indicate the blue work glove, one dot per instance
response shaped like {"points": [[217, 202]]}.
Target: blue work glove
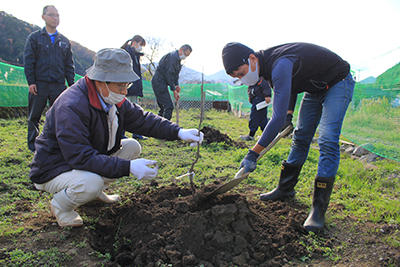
{"points": [[249, 163]]}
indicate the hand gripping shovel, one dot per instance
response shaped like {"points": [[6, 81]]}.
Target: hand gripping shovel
{"points": [[241, 174]]}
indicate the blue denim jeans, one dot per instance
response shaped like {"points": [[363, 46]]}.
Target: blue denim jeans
{"points": [[327, 110]]}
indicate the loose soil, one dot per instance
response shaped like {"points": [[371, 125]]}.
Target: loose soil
{"points": [[212, 135], [166, 226]]}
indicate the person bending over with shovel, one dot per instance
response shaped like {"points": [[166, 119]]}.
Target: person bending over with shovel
{"points": [[80, 150], [328, 85]]}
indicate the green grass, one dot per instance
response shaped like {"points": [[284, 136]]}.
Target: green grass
{"points": [[375, 124], [15, 185], [48, 257], [368, 195]]}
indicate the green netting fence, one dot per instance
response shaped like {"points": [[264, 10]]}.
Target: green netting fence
{"points": [[13, 86], [372, 120], [190, 94]]}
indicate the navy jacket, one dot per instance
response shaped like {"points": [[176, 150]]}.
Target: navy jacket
{"points": [[258, 92], [137, 87], [315, 67], [46, 61], [75, 134], [294, 68], [169, 68]]}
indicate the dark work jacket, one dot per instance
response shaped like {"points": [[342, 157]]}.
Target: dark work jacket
{"points": [[137, 87], [168, 69], [46, 61], [258, 92], [75, 134], [315, 69]]}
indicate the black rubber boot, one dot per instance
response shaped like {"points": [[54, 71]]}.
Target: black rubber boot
{"points": [[287, 181], [322, 193]]}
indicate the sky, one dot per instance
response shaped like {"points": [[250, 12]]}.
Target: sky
{"points": [[363, 32]]}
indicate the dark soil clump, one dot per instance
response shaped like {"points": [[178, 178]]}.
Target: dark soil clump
{"points": [[165, 226], [212, 135]]}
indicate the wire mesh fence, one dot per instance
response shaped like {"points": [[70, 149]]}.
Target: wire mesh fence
{"points": [[372, 121]]}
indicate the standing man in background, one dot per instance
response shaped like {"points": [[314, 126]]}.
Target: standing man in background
{"points": [[134, 47], [48, 63], [259, 98], [167, 74]]}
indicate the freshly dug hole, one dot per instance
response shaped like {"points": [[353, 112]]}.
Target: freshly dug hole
{"points": [[164, 226]]}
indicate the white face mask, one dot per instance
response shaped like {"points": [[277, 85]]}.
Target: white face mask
{"points": [[183, 56], [112, 98], [251, 78], [139, 48]]}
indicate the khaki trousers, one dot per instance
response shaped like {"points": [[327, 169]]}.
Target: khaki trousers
{"points": [[84, 186]]}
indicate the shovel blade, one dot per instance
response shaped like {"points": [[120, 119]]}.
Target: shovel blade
{"points": [[239, 177], [241, 174]]}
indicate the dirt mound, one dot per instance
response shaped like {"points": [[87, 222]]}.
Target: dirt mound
{"points": [[212, 135], [165, 226]]}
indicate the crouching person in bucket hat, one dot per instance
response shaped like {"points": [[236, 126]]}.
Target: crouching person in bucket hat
{"points": [[80, 150]]}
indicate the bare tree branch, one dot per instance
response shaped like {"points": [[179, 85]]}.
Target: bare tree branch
{"points": [[154, 45]]}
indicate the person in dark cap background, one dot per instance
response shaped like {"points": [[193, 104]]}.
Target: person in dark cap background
{"points": [[167, 74], [80, 150], [259, 98], [328, 85]]}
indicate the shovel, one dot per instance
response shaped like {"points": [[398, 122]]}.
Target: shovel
{"points": [[177, 111], [241, 174]]}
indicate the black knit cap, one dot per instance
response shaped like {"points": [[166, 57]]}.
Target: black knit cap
{"points": [[234, 55]]}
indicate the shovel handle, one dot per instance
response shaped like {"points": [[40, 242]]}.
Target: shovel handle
{"points": [[276, 139], [241, 174], [177, 111], [184, 175]]}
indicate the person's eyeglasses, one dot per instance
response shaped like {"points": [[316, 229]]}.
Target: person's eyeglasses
{"points": [[53, 15], [121, 86]]}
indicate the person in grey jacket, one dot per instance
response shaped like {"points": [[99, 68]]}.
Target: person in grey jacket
{"points": [[80, 150], [48, 63], [167, 74]]}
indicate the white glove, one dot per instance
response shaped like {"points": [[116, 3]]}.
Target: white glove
{"points": [[191, 135], [140, 168]]}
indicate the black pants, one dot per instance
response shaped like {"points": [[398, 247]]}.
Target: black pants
{"points": [[160, 88], [258, 118], [37, 103]]}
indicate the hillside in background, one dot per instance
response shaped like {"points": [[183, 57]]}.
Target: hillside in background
{"points": [[221, 77], [368, 80], [83, 57], [13, 34], [390, 77], [188, 75]]}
